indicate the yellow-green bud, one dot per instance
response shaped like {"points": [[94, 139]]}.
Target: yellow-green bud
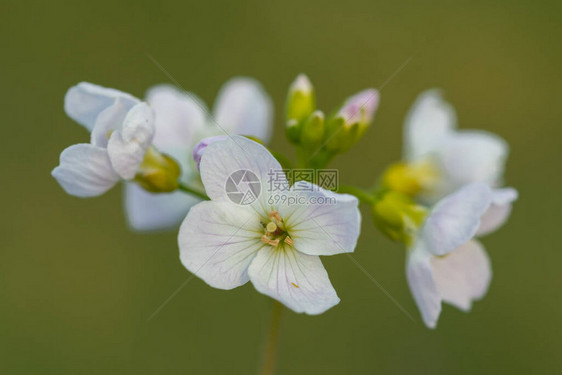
{"points": [[313, 130], [411, 179], [398, 216], [158, 172], [301, 103], [293, 131]]}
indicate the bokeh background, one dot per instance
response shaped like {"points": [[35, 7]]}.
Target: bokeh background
{"points": [[77, 287]]}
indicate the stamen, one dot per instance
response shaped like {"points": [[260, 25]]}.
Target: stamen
{"points": [[276, 216], [269, 241], [289, 241], [295, 285]]}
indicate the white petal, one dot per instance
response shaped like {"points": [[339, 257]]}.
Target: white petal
{"points": [[147, 212], [463, 275], [499, 211], [85, 101], [218, 240], [109, 120], [321, 222], [429, 120], [243, 107], [420, 280], [85, 171], [127, 147], [179, 117], [297, 280], [222, 158], [455, 219], [473, 156]]}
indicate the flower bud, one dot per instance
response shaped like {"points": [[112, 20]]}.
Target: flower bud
{"points": [[158, 172], [398, 216], [312, 131], [412, 178], [350, 122], [301, 103], [201, 146]]}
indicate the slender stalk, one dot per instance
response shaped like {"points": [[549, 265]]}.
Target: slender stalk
{"points": [[271, 347], [193, 191], [362, 195]]}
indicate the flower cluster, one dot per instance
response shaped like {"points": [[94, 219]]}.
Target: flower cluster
{"points": [[445, 193], [208, 171]]}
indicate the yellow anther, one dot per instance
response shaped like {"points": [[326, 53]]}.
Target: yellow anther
{"points": [[269, 241], [275, 215], [295, 285], [271, 227], [289, 241]]}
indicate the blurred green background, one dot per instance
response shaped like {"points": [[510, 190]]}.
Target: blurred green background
{"points": [[77, 287]]}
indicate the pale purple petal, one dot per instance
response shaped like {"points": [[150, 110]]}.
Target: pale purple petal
{"points": [[463, 275], [85, 101], [85, 171], [243, 107], [419, 274], [319, 221], [217, 242], [127, 147], [499, 211], [147, 211], [455, 219], [428, 122], [297, 280]]}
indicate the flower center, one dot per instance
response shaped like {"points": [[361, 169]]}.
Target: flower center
{"points": [[274, 231]]}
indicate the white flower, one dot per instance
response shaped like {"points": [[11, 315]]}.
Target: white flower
{"points": [[445, 262], [241, 107], [122, 128], [454, 158], [275, 246]]}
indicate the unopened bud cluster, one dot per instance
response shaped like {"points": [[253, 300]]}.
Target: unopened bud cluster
{"points": [[319, 136]]}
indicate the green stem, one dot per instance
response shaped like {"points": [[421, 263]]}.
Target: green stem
{"points": [[271, 347], [363, 196], [192, 191], [303, 157]]}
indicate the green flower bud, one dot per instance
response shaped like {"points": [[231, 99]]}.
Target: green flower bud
{"points": [[312, 132], [301, 103], [398, 216], [158, 172], [293, 131]]}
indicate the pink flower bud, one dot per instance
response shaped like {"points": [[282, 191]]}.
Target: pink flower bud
{"points": [[360, 108], [201, 146]]}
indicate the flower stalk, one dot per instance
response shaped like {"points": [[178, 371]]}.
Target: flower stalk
{"points": [[271, 347], [190, 190]]}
